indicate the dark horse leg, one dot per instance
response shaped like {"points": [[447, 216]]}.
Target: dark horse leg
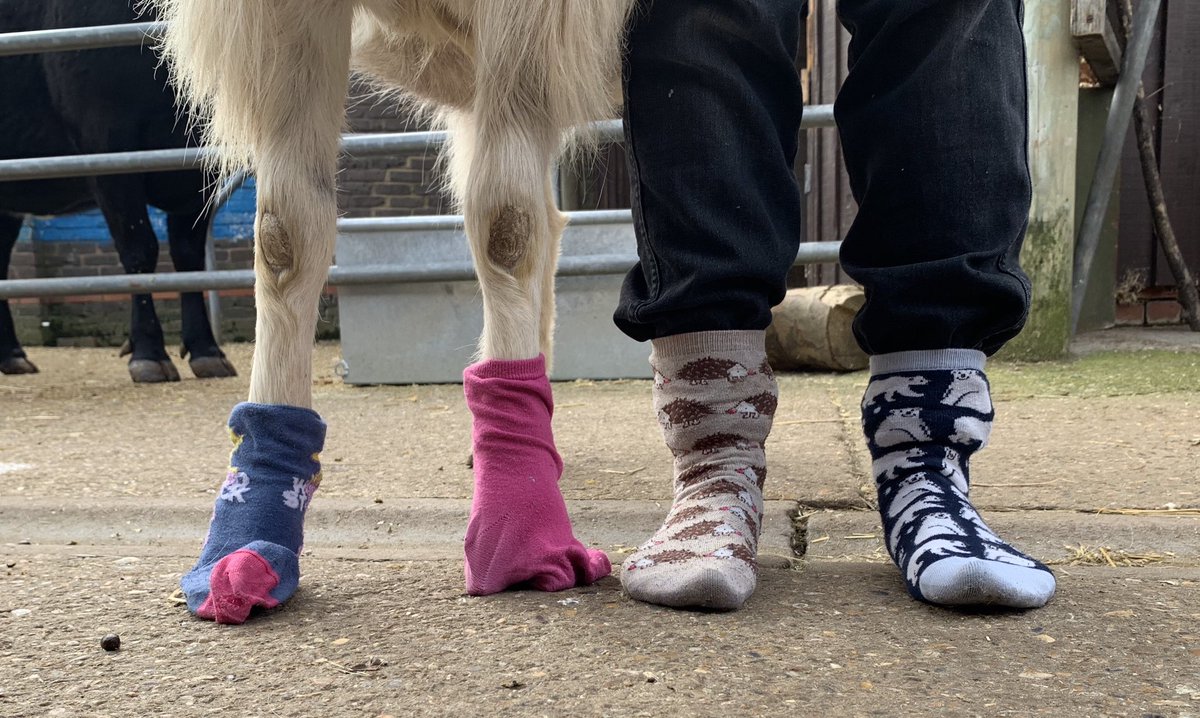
{"points": [[122, 199], [12, 356], [188, 233]]}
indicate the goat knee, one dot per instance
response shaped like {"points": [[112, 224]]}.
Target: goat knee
{"points": [[509, 237], [274, 245]]}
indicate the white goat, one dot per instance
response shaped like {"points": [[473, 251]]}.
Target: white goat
{"points": [[509, 78]]}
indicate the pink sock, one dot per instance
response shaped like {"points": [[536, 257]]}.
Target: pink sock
{"points": [[519, 531], [238, 583]]}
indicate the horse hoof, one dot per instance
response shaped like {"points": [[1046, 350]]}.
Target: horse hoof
{"points": [[17, 365], [217, 367], [149, 371]]}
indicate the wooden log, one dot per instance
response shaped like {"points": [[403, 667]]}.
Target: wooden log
{"points": [[811, 329]]}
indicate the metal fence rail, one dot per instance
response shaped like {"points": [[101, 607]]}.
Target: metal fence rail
{"points": [[810, 253], [111, 163], [80, 38], [353, 144]]}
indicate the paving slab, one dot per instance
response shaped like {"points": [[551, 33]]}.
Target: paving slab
{"points": [[81, 428], [1054, 537], [400, 529], [380, 626], [1174, 338], [371, 638], [1085, 453]]}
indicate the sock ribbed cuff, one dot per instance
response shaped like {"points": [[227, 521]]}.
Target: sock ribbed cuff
{"points": [[927, 360], [518, 369], [285, 433], [680, 345]]}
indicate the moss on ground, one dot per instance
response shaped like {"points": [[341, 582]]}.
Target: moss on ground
{"points": [[1100, 374]]}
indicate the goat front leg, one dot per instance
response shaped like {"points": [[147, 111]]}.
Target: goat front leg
{"points": [[519, 532], [556, 223], [284, 100]]}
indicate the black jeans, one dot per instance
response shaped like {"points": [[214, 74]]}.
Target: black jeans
{"points": [[933, 124]]}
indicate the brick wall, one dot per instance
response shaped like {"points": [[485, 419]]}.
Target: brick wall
{"points": [[79, 245], [405, 184], [104, 320]]}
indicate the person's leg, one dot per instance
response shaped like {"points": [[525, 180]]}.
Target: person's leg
{"points": [[712, 114], [933, 124]]}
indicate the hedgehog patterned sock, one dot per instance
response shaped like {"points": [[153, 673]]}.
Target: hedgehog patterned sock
{"points": [[251, 554], [924, 414], [519, 533], [715, 397]]}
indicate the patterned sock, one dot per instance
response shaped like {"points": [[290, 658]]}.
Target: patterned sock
{"points": [[715, 396], [924, 414], [519, 533], [251, 553]]}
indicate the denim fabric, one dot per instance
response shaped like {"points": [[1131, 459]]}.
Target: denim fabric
{"points": [[712, 115], [933, 124]]}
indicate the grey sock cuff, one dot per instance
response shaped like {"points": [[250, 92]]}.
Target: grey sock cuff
{"points": [[927, 360], [692, 343]]}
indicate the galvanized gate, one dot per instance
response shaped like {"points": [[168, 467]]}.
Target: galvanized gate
{"points": [[611, 230]]}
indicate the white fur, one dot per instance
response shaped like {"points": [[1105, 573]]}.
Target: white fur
{"points": [[509, 78]]}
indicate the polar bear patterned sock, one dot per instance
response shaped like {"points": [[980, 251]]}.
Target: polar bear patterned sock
{"points": [[715, 397], [251, 555], [924, 414]]}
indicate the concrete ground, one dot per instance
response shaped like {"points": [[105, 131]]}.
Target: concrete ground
{"points": [[1094, 468]]}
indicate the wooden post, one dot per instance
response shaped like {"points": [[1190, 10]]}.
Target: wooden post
{"points": [[1048, 254]]}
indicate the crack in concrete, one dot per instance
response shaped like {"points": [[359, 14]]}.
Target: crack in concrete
{"points": [[848, 437], [799, 538]]}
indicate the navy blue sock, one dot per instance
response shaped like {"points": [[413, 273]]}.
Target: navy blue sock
{"points": [[251, 554], [924, 414]]}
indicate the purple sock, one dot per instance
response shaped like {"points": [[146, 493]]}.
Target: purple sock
{"points": [[251, 556]]}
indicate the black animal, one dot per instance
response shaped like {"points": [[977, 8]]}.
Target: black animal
{"points": [[110, 100]]}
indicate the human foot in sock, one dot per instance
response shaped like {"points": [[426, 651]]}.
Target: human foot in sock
{"points": [[251, 554], [519, 533], [715, 397], [924, 415]]}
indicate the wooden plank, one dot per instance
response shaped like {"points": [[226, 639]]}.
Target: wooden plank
{"points": [[827, 201], [807, 174], [848, 207], [1135, 247], [1098, 309], [1179, 136], [825, 173], [1096, 38]]}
